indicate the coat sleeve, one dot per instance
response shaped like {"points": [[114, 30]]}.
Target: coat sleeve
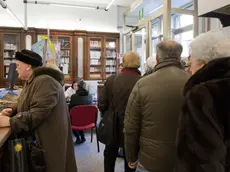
{"points": [[200, 141], [44, 99], [132, 124]]}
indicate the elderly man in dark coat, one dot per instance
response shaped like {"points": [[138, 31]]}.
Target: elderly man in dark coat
{"points": [[152, 113]]}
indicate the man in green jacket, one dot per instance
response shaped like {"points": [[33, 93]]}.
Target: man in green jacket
{"points": [[152, 113]]}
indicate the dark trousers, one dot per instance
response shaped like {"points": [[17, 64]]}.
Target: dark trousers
{"points": [[110, 155], [79, 134]]}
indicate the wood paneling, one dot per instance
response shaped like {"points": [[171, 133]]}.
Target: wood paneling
{"points": [[72, 34]]}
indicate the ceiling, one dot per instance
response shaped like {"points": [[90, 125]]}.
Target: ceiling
{"points": [[94, 2], [150, 5]]}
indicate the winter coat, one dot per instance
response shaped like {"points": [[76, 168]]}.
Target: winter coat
{"points": [[43, 100], [114, 97], [152, 115], [82, 97], [203, 142]]}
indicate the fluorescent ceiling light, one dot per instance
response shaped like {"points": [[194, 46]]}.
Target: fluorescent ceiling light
{"points": [[15, 17], [109, 5], [156, 9], [73, 6]]}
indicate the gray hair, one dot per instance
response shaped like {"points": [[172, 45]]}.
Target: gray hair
{"points": [[150, 64], [209, 46], [169, 50]]}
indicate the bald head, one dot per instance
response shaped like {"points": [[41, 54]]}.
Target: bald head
{"points": [[169, 50]]}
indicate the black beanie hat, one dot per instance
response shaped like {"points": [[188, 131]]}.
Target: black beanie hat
{"points": [[29, 57]]}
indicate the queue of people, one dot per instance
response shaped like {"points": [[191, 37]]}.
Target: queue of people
{"points": [[174, 119]]}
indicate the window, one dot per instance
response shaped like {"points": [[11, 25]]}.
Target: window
{"points": [[184, 38]]}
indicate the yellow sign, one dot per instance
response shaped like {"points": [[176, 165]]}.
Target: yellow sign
{"points": [[18, 147]]}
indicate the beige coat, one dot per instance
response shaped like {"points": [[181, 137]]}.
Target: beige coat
{"points": [[43, 99]]}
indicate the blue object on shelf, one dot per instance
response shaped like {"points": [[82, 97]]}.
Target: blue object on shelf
{"points": [[4, 92]]}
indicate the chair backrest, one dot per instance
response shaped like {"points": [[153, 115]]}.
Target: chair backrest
{"points": [[83, 115]]}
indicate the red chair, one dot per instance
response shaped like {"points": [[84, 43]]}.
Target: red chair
{"points": [[84, 117]]}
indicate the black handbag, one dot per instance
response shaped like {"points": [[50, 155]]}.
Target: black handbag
{"points": [[107, 128], [26, 153], [18, 159]]}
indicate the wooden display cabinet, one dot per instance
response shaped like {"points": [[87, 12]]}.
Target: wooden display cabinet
{"points": [[91, 55], [11, 40], [102, 56]]}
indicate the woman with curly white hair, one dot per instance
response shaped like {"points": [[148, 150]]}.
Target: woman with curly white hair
{"points": [[149, 65], [204, 134]]}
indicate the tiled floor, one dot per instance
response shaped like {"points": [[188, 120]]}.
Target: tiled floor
{"points": [[89, 160]]}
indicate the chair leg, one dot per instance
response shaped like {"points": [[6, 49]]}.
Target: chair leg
{"points": [[98, 148], [91, 135]]}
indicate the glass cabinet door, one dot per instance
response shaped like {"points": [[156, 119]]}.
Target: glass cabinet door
{"points": [[110, 57], [65, 55], [11, 44], [95, 58]]}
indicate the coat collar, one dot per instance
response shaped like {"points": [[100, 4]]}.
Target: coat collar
{"points": [[57, 75], [131, 71], [214, 70], [167, 63]]}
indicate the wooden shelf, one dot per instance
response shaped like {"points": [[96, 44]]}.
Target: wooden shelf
{"points": [[69, 42], [95, 65], [104, 41], [95, 48]]}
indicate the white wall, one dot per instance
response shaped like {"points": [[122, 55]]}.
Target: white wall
{"points": [[43, 16], [205, 6]]}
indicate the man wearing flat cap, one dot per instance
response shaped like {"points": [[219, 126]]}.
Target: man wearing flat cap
{"points": [[42, 100]]}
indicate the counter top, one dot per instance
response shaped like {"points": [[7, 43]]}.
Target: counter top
{"points": [[4, 135]]}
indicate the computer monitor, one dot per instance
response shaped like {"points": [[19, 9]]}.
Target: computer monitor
{"points": [[12, 76]]}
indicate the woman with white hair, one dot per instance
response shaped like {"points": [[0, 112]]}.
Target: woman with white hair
{"points": [[149, 65], [204, 134]]}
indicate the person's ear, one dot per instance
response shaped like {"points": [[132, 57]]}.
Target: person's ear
{"points": [[29, 67], [157, 59]]}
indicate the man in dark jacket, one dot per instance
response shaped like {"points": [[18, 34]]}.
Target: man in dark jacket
{"points": [[152, 113], [82, 97], [114, 97]]}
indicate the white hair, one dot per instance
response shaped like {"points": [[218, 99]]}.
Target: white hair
{"points": [[211, 45], [151, 62]]}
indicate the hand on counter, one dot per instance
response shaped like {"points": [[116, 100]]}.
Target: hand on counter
{"points": [[6, 112], [4, 121]]}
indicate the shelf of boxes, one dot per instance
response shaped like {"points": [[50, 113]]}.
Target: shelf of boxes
{"points": [[8, 56], [111, 59], [95, 58]]}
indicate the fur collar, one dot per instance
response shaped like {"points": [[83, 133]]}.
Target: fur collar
{"points": [[213, 71], [57, 75]]}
